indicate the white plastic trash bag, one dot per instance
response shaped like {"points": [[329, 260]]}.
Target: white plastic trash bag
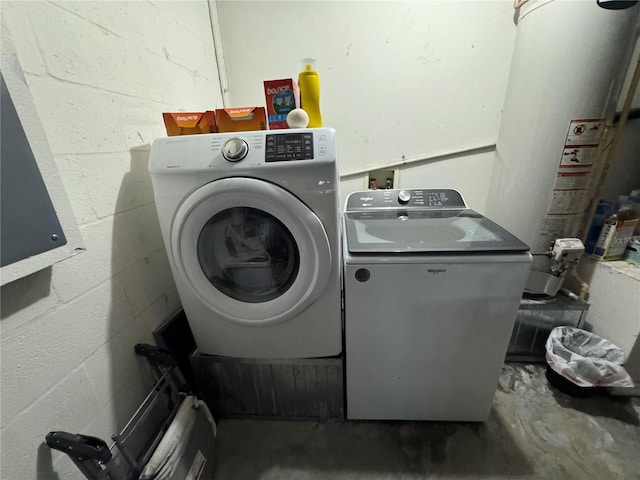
{"points": [[586, 359]]}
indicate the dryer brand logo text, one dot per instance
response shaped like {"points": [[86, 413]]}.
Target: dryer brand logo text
{"points": [[435, 271], [274, 91], [183, 118], [366, 199]]}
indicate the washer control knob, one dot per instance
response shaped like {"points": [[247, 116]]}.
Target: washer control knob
{"points": [[235, 149], [404, 197]]}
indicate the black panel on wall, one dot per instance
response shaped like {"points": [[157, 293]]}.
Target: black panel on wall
{"points": [[28, 221]]}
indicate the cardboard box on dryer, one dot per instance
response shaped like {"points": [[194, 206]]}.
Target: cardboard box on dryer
{"points": [[241, 119], [189, 123], [282, 96]]}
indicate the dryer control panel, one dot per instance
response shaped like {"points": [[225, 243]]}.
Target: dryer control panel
{"points": [[275, 146], [407, 198], [282, 147], [239, 150]]}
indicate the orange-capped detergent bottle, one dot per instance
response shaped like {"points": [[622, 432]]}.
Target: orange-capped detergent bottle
{"points": [[309, 83]]}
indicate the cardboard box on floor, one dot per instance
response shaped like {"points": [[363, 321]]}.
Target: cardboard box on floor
{"points": [[241, 119]]}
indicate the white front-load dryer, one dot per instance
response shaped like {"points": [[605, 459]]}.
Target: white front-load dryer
{"points": [[250, 223]]}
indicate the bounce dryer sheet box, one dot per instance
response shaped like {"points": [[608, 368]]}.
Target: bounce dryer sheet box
{"points": [[189, 123], [282, 97], [241, 119]]}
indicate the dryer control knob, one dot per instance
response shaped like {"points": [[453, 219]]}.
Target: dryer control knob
{"points": [[404, 196], [235, 149]]}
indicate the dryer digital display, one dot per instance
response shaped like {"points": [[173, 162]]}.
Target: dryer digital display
{"points": [[289, 146]]}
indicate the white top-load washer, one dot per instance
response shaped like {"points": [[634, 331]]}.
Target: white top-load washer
{"points": [[251, 225], [431, 291]]}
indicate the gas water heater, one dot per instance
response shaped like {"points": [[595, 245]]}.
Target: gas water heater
{"points": [[568, 65]]}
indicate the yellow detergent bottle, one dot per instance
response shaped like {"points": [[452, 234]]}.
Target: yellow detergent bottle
{"points": [[309, 83]]}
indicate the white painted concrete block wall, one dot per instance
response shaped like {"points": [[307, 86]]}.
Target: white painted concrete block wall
{"points": [[398, 79], [408, 79], [101, 74]]}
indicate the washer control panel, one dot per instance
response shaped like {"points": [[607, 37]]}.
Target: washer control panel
{"points": [[415, 197]]}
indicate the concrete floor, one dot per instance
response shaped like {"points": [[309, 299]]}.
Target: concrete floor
{"points": [[534, 432]]}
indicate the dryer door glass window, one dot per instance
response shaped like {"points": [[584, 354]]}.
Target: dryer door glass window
{"points": [[248, 254]]}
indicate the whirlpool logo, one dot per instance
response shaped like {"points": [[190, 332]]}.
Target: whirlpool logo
{"points": [[435, 271]]}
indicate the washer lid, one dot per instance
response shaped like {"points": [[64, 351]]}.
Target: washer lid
{"points": [[252, 252], [413, 230]]}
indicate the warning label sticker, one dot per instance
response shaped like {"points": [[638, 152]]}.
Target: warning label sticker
{"points": [[558, 226], [585, 132], [568, 201], [573, 157], [572, 180]]}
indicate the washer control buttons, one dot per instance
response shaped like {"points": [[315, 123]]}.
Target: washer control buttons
{"points": [[404, 196], [235, 149]]}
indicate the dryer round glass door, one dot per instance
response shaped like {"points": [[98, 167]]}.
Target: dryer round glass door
{"points": [[251, 251], [248, 254]]}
